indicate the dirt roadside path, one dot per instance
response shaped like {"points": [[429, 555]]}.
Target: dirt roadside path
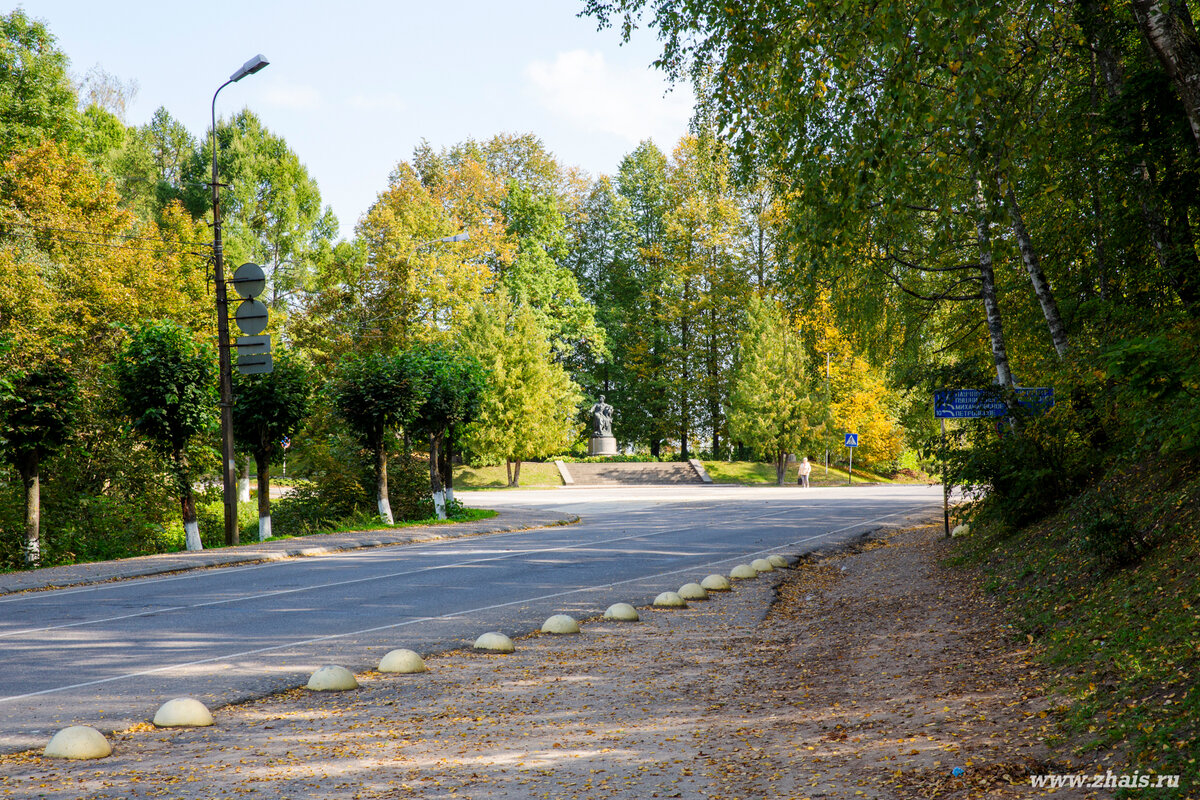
{"points": [[869, 673]]}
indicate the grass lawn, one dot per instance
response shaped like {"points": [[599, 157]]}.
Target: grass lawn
{"points": [[753, 473], [533, 473]]}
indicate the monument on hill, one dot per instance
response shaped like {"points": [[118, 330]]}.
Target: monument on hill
{"points": [[602, 443]]}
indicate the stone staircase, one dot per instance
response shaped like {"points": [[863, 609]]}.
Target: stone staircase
{"points": [[632, 474]]}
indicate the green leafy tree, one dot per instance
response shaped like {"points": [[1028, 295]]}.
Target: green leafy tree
{"points": [[268, 408], [378, 394], [37, 101], [455, 383], [774, 410], [37, 414], [530, 407], [166, 379], [271, 213]]}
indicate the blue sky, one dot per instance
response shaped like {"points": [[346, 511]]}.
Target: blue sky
{"points": [[354, 86]]}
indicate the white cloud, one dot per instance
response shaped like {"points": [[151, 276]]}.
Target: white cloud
{"points": [[295, 97], [582, 87]]}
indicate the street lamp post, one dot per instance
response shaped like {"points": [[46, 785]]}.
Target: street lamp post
{"points": [[228, 465]]}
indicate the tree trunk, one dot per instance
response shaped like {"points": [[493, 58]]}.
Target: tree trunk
{"points": [[448, 464], [1171, 34], [987, 288], [262, 463], [31, 481], [1033, 265], [381, 487], [508, 471], [244, 483], [187, 502], [514, 472], [1172, 245], [780, 467], [435, 477]]}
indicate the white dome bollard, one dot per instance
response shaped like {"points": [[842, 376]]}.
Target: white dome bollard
{"points": [[78, 742], [762, 565], [405, 662], [332, 678], [743, 572], [693, 591], [669, 600], [716, 583], [622, 612], [495, 643], [777, 561], [560, 623], [183, 712]]}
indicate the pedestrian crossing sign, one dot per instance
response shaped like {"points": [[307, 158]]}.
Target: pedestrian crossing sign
{"points": [[851, 440]]}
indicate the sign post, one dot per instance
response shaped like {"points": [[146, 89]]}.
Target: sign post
{"points": [[981, 404], [851, 442]]}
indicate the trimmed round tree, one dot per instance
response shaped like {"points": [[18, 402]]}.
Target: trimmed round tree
{"points": [[455, 383], [378, 394], [167, 381], [267, 408]]}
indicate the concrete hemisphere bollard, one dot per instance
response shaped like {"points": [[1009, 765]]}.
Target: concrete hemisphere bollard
{"points": [[670, 600], [560, 624], [405, 662], [716, 583], [961, 530], [743, 572], [332, 678], [622, 612], [183, 712], [78, 742], [693, 591], [495, 642], [777, 561], [762, 565]]}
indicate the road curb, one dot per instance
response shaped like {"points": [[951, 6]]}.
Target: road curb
{"points": [[74, 575]]}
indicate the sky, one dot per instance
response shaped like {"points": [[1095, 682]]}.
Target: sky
{"points": [[354, 86]]}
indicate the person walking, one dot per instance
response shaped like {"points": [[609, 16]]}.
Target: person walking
{"points": [[804, 470]]}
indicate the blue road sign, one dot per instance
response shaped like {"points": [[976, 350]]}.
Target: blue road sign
{"points": [[977, 403], [851, 440]]}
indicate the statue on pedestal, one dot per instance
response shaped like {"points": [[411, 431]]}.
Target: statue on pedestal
{"points": [[602, 414], [602, 442]]}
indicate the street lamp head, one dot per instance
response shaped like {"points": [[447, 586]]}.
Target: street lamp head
{"points": [[250, 67], [458, 237]]}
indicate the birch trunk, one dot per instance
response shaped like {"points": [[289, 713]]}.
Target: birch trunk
{"points": [[381, 486], [987, 288], [1037, 276], [1171, 34]]}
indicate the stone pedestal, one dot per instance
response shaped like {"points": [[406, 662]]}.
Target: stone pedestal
{"points": [[602, 446]]}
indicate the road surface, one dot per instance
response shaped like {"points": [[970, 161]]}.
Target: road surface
{"points": [[108, 655]]}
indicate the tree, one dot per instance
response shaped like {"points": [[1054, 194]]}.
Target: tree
{"points": [[455, 383], [530, 407], [267, 409], [773, 409], [37, 101], [378, 394], [37, 413], [166, 379], [271, 213]]}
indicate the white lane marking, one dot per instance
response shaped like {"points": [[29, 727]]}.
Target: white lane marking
{"points": [[418, 620]]}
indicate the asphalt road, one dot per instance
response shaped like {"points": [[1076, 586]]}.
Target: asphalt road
{"points": [[108, 655]]}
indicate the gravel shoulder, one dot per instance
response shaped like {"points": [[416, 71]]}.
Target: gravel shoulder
{"points": [[871, 672]]}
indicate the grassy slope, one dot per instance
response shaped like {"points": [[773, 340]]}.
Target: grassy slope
{"points": [[1124, 639]]}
